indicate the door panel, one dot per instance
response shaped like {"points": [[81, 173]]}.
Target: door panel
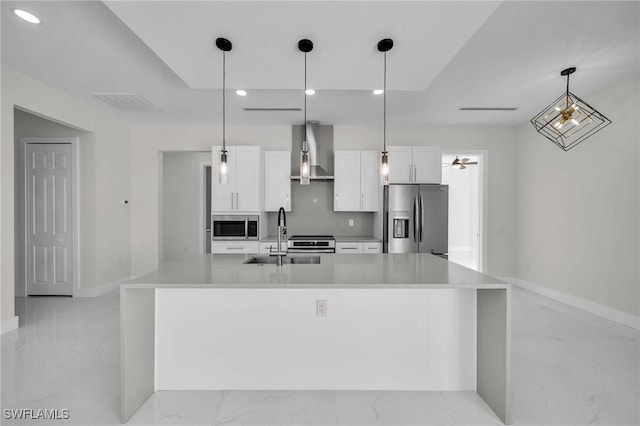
{"points": [[435, 219], [346, 188], [369, 180], [401, 225], [49, 225], [222, 195], [400, 164], [427, 162], [247, 178]]}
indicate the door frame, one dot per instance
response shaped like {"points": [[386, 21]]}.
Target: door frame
{"points": [[201, 205], [483, 199], [21, 287]]}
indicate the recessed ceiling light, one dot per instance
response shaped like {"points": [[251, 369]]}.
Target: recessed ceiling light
{"points": [[378, 92], [241, 92], [310, 92], [27, 16]]}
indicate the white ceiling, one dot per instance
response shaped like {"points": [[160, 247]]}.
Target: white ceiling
{"points": [[447, 55]]}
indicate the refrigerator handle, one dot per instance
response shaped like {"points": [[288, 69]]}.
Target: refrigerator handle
{"points": [[415, 219], [421, 217]]}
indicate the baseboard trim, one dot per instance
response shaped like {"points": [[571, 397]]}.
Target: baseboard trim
{"points": [[9, 324], [103, 289], [602, 311]]}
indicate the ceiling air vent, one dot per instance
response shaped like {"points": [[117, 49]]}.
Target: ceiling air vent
{"points": [[488, 108], [272, 109], [126, 101]]}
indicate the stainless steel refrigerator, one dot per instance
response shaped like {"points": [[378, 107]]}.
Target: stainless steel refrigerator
{"points": [[416, 219]]}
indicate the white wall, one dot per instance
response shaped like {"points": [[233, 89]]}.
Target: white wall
{"points": [[181, 209], [104, 177], [577, 215], [500, 143]]}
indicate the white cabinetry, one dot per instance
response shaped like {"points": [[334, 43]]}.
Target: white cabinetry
{"points": [[277, 180], [242, 193], [234, 247], [349, 248], [372, 247], [356, 181], [415, 164], [358, 247], [267, 247]]}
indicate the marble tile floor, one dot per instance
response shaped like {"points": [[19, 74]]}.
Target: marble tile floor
{"points": [[568, 368]]}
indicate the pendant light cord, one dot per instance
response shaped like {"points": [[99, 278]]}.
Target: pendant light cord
{"points": [[305, 89], [568, 90], [384, 101], [224, 79]]}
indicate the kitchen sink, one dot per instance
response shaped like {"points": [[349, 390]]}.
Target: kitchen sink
{"points": [[273, 260]]}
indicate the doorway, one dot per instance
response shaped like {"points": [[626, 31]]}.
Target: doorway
{"points": [[49, 222], [465, 178]]}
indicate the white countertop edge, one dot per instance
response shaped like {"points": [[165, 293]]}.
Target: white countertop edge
{"points": [[316, 286]]}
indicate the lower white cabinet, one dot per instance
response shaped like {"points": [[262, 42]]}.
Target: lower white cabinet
{"points": [[266, 247], [350, 247], [375, 247], [358, 247], [234, 247]]}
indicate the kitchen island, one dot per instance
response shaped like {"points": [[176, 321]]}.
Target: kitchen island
{"points": [[359, 322]]}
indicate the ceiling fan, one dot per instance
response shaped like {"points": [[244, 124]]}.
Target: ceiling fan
{"points": [[461, 164]]}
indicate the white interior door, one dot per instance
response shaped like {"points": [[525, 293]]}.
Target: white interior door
{"points": [[49, 219]]}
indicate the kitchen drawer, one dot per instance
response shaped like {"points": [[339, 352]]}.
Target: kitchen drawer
{"points": [[346, 248], [375, 247], [232, 247], [266, 246]]}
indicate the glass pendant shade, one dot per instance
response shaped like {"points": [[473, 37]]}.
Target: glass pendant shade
{"points": [[224, 168], [569, 120], [384, 168], [305, 166]]}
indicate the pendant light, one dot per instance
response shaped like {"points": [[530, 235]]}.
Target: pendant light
{"points": [[569, 120], [225, 46], [305, 46], [384, 46]]}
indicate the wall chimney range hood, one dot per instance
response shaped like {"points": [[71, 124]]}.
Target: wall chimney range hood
{"points": [[320, 144]]}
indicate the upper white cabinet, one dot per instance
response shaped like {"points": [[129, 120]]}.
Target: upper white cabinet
{"points": [[242, 193], [356, 181], [415, 164], [277, 180]]}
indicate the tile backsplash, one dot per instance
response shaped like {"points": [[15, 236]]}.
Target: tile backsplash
{"points": [[312, 213]]}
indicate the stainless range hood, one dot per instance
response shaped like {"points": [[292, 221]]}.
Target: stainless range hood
{"points": [[320, 142]]}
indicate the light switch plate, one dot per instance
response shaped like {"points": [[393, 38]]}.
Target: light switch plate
{"points": [[321, 308]]}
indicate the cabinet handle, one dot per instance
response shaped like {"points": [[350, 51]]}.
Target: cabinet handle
{"points": [[372, 248], [415, 168], [348, 248], [410, 172], [234, 248], [232, 201]]}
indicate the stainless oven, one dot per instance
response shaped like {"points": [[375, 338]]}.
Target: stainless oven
{"points": [[234, 227]]}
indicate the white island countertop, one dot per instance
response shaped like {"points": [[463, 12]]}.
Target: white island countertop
{"points": [[334, 271]]}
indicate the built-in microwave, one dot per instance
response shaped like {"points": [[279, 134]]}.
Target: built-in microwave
{"points": [[234, 227]]}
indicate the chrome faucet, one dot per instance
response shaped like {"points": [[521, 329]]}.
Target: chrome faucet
{"points": [[282, 232]]}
